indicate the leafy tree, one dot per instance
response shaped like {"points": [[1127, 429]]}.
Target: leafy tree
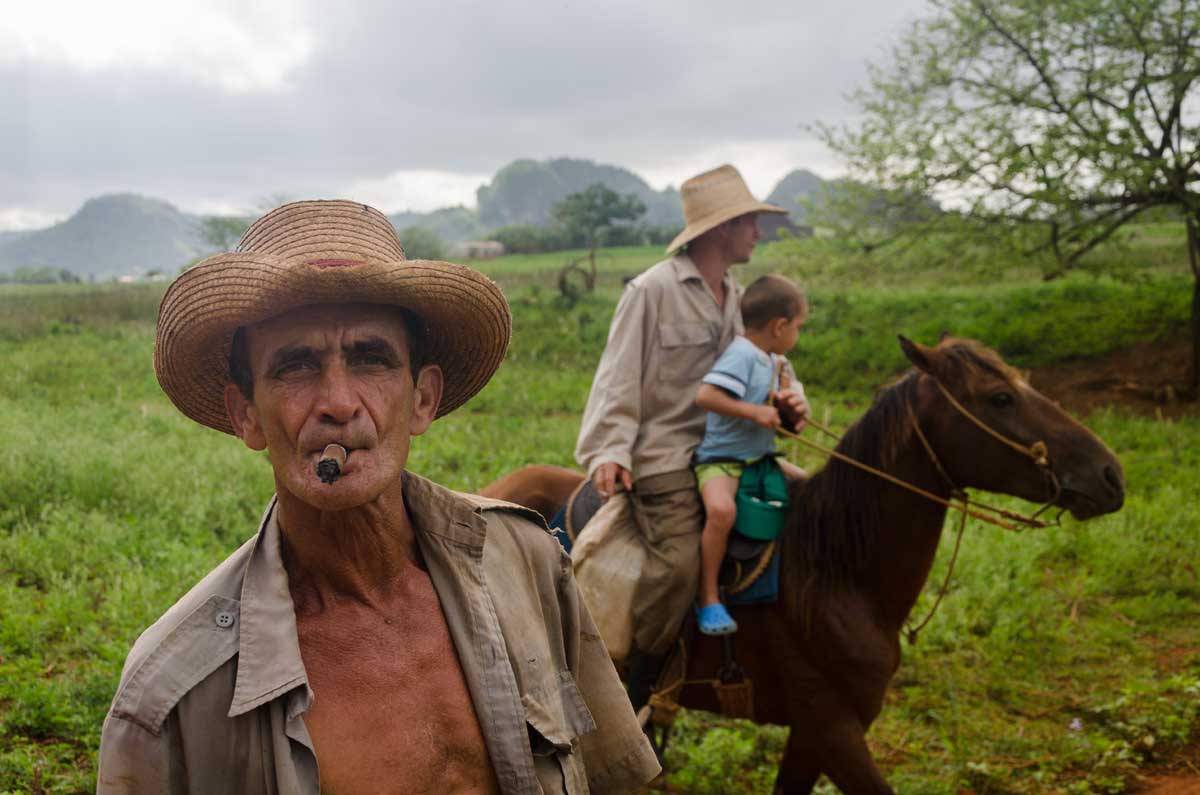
{"points": [[222, 232], [1050, 124], [588, 213], [421, 243], [530, 239]]}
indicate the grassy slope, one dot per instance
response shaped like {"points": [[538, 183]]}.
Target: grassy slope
{"points": [[1059, 662]]}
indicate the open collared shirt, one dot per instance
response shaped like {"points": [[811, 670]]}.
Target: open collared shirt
{"points": [[665, 335], [213, 695]]}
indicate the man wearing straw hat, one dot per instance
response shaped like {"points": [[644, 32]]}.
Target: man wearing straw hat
{"points": [[642, 424], [379, 633]]}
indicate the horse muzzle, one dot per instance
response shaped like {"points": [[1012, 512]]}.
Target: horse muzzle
{"points": [[1096, 494]]}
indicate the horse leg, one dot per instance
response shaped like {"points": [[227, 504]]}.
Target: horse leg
{"points": [[848, 762], [799, 770]]}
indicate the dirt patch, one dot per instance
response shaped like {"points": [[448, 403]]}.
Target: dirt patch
{"points": [[1146, 378], [1180, 777]]}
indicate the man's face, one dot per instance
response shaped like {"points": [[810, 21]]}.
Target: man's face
{"points": [[743, 236], [334, 374]]}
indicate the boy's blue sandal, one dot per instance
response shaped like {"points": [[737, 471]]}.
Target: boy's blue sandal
{"points": [[715, 620]]}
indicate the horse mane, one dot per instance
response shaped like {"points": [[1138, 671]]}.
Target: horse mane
{"points": [[835, 514]]}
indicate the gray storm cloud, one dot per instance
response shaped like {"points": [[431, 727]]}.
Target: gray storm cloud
{"points": [[461, 87]]}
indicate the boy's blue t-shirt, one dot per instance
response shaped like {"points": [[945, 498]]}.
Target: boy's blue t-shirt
{"points": [[748, 373]]}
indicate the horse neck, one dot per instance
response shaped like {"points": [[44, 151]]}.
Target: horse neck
{"points": [[908, 536]]}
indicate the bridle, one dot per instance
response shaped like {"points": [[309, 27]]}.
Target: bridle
{"points": [[958, 500]]}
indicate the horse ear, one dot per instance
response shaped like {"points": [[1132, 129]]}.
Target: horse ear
{"points": [[920, 356]]}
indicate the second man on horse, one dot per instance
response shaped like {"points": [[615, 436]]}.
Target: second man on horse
{"points": [[642, 425]]}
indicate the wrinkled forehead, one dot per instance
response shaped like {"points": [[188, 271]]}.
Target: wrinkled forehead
{"points": [[325, 325]]}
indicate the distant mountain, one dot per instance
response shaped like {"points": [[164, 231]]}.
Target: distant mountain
{"points": [[9, 235], [799, 184], [875, 203], [524, 191], [451, 224], [126, 234], [110, 236]]}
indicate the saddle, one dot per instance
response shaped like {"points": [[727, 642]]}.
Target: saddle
{"points": [[607, 566], [581, 506], [746, 559]]}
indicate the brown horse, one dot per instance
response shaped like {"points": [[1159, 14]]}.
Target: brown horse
{"points": [[857, 550], [542, 487]]}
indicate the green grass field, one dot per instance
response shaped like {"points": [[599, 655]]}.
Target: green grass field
{"points": [[1062, 661]]}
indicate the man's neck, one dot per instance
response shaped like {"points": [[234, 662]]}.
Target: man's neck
{"points": [[356, 553], [712, 264]]}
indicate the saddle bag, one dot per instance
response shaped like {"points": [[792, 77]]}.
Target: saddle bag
{"points": [[762, 500], [608, 557]]}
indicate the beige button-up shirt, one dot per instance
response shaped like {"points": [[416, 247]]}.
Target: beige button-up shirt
{"points": [[213, 695], [666, 334]]}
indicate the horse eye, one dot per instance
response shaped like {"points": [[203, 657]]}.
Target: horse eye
{"points": [[1001, 400]]}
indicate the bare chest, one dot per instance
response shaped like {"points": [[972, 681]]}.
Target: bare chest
{"points": [[391, 711]]}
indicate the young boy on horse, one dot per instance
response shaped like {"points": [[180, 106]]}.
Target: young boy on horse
{"points": [[737, 394]]}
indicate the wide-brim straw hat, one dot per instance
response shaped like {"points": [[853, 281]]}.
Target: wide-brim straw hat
{"points": [[712, 198], [322, 252]]}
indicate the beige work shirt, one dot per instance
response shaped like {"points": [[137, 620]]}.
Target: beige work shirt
{"points": [[213, 695], [666, 334]]}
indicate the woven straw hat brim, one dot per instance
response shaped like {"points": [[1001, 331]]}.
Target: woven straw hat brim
{"points": [[467, 322], [715, 219]]}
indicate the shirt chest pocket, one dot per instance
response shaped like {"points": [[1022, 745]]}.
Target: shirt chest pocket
{"points": [[557, 716], [688, 351]]}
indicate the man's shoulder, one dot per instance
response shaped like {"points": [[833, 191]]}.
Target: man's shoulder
{"points": [[657, 276], [499, 516], [525, 525], [514, 534], [490, 504], [196, 635]]}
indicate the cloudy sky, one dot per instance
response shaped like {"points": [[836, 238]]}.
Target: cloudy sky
{"points": [[216, 106]]}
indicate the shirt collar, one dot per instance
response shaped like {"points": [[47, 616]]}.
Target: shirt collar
{"points": [[269, 662], [686, 270], [438, 511]]}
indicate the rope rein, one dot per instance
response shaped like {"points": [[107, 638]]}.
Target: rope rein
{"points": [[959, 499]]}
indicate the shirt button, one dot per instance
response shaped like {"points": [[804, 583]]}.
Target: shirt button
{"points": [[224, 619]]}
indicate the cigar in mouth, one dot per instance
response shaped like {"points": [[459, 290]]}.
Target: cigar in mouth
{"points": [[333, 458]]}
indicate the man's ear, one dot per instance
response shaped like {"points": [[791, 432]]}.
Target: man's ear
{"points": [[427, 396], [244, 418]]}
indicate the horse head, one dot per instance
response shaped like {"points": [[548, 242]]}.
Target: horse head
{"points": [[995, 432]]}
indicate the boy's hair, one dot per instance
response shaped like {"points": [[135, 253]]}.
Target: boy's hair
{"points": [[770, 297]]}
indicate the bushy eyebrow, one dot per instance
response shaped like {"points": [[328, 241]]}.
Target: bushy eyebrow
{"points": [[289, 354], [372, 346]]}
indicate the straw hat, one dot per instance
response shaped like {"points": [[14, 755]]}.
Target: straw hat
{"points": [[712, 198], [321, 252]]}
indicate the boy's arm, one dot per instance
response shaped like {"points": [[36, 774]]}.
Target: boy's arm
{"points": [[713, 398]]}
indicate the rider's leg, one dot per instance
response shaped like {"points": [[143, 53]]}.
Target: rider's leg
{"points": [[720, 511]]}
